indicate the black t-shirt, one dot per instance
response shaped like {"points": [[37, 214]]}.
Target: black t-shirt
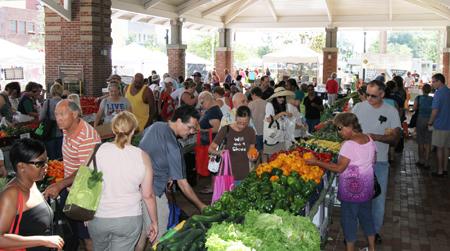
{"points": [[310, 111], [267, 93]]}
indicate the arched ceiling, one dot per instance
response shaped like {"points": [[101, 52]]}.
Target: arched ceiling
{"points": [[264, 14]]}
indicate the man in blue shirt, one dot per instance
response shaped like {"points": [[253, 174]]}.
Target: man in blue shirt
{"points": [[440, 122], [161, 144]]}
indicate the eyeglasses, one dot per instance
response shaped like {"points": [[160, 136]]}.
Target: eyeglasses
{"points": [[38, 164], [339, 128], [371, 95]]}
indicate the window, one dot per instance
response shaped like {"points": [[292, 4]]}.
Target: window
{"points": [[30, 27], [13, 73], [13, 26], [21, 28]]}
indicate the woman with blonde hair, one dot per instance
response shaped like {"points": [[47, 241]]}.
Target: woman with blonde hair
{"points": [[127, 180], [75, 98], [53, 142]]}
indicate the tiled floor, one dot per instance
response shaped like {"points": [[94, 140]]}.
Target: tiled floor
{"points": [[417, 210]]}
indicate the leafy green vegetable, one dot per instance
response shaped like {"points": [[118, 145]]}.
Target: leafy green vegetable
{"points": [[261, 231]]}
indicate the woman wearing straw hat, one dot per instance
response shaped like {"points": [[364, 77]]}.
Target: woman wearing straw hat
{"points": [[274, 125]]}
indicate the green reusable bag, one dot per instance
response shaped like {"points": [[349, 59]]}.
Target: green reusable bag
{"points": [[84, 195]]}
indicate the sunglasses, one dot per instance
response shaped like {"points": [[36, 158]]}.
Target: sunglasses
{"points": [[371, 95], [38, 164]]}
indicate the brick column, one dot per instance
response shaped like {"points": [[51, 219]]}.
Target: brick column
{"points": [[446, 56], [85, 41], [224, 54], [176, 50], [329, 62], [223, 60], [177, 60], [330, 53]]}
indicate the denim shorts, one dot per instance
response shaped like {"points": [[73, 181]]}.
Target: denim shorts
{"points": [[351, 214]]}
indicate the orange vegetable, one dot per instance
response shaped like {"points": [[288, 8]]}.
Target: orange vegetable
{"points": [[253, 152]]}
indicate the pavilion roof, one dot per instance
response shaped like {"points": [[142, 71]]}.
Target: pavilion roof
{"points": [[263, 14]]}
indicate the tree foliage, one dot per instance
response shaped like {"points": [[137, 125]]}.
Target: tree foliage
{"points": [[204, 46], [424, 44]]}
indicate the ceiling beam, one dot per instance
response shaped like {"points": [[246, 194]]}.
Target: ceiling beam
{"points": [[218, 7], [118, 14], [329, 10], [272, 10], [164, 11], [237, 10], [64, 10], [190, 5], [136, 18], [438, 10], [150, 3]]}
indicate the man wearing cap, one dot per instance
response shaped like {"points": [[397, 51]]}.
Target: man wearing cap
{"points": [[198, 81], [154, 81]]}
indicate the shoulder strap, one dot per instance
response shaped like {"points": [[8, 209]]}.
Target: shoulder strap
{"points": [[97, 146], [19, 206], [227, 129]]}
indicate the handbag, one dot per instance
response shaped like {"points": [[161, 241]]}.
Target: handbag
{"points": [[84, 195], [202, 156], [376, 187], [413, 121], [214, 160], [14, 229], [272, 132], [224, 180], [45, 128]]}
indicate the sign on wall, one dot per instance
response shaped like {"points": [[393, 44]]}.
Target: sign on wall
{"points": [[72, 77]]}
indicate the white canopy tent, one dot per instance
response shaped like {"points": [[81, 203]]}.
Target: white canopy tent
{"points": [[292, 55], [16, 55]]}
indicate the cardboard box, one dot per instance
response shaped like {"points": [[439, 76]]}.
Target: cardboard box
{"points": [[105, 131]]}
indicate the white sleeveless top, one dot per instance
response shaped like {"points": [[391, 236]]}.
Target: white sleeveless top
{"points": [[123, 172]]}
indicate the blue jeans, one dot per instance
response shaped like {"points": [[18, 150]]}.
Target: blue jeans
{"points": [[259, 142], [351, 213], [311, 124], [378, 204]]}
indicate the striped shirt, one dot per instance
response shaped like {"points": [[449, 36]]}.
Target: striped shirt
{"points": [[78, 146]]}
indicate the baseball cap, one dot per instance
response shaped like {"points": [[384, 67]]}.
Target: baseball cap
{"points": [[155, 77], [168, 80]]}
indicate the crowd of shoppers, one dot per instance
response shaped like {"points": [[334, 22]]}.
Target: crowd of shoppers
{"points": [[263, 115]]}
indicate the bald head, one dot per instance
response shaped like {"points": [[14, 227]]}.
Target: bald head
{"points": [[139, 79], [239, 99], [67, 114]]}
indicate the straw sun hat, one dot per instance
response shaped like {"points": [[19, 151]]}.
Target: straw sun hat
{"points": [[280, 92]]}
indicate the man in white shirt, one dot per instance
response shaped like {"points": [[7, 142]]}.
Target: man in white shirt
{"points": [[382, 123]]}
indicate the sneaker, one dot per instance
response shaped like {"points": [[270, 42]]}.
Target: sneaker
{"points": [[364, 249], [445, 173], [419, 164], [378, 239]]}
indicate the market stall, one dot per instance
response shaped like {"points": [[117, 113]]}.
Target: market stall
{"points": [[285, 186]]}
